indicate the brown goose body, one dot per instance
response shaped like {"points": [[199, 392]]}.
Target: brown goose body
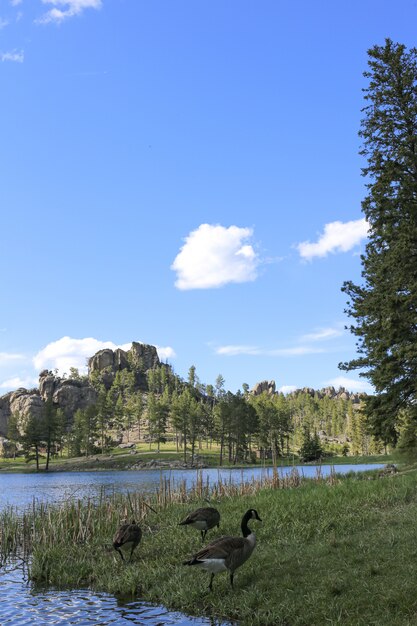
{"points": [[227, 553], [128, 535], [203, 519]]}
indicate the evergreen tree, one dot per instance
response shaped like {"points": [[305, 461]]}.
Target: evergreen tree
{"points": [[158, 409], [13, 431], [32, 439], [311, 449], [384, 307], [50, 428]]}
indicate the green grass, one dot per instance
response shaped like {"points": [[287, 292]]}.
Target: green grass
{"points": [[329, 552], [121, 459]]}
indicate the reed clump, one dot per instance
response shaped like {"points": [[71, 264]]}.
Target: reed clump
{"points": [[78, 522]]}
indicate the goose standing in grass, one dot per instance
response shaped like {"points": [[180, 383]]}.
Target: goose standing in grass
{"points": [[203, 519], [128, 535], [227, 553]]}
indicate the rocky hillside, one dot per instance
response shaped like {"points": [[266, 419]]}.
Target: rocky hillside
{"points": [[71, 394]]}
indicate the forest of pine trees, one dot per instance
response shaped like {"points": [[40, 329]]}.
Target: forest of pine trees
{"points": [[194, 418]]}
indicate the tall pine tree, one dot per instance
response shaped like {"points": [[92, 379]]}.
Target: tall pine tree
{"points": [[384, 306]]}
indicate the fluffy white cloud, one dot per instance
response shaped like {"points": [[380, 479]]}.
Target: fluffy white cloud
{"points": [[350, 384], [15, 56], [213, 256], [68, 352], [337, 237], [16, 382], [8, 357], [63, 9], [165, 353], [287, 388]]}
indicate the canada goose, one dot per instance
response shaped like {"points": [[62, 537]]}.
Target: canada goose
{"points": [[203, 519], [227, 553], [129, 534]]}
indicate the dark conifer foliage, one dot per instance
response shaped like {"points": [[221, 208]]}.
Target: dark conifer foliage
{"points": [[384, 306]]}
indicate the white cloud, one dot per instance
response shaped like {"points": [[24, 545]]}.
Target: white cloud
{"points": [[323, 334], [232, 350], [8, 357], [287, 388], [337, 237], [350, 384], [16, 383], [3, 23], [15, 56], [236, 350], [165, 353], [213, 256], [68, 352], [15, 3], [64, 9]]}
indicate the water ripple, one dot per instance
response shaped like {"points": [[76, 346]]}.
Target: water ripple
{"points": [[21, 606]]}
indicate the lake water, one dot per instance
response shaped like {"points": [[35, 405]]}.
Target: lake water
{"points": [[22, 605]]}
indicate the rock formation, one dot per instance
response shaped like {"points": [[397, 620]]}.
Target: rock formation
{"points": [[329, 392], [263, 386], [71, 394], [141, 358]]}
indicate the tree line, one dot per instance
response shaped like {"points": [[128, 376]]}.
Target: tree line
{"points": [[194, 418]]}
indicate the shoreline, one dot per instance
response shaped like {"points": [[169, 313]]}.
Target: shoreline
{"points": [[128, 462]]}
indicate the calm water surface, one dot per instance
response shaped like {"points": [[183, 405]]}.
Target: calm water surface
{"points": [[21, 605], [19, 490]]}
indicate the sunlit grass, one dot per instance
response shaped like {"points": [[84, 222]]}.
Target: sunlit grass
{"points": [[122, 458]]}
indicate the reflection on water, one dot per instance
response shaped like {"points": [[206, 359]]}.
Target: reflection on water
{"points": [[21, 606]]}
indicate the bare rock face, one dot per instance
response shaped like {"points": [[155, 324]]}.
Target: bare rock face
{"points": [[268, 386], [142, 357], [66, 393], [26, 402], [113, 360], [5, 412], [71, 395], [145, 354], [7, 448]]}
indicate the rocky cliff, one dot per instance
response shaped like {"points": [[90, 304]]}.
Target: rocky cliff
{"points": [[71, 394]]}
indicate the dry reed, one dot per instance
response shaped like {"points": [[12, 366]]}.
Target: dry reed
{"points": [[76, 521]]}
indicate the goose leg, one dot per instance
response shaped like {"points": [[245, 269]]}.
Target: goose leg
{"points": [[211, 582], [120, 552], [231, 579]]}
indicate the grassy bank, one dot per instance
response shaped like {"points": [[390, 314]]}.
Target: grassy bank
{"points": [[120, 459], [329, 552]]}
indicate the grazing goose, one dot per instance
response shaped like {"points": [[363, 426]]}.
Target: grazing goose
{"points": [[203, 519], [129, 534], [227, 553]]}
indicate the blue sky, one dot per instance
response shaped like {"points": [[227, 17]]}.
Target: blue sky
{"points": [[184, 174]]}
